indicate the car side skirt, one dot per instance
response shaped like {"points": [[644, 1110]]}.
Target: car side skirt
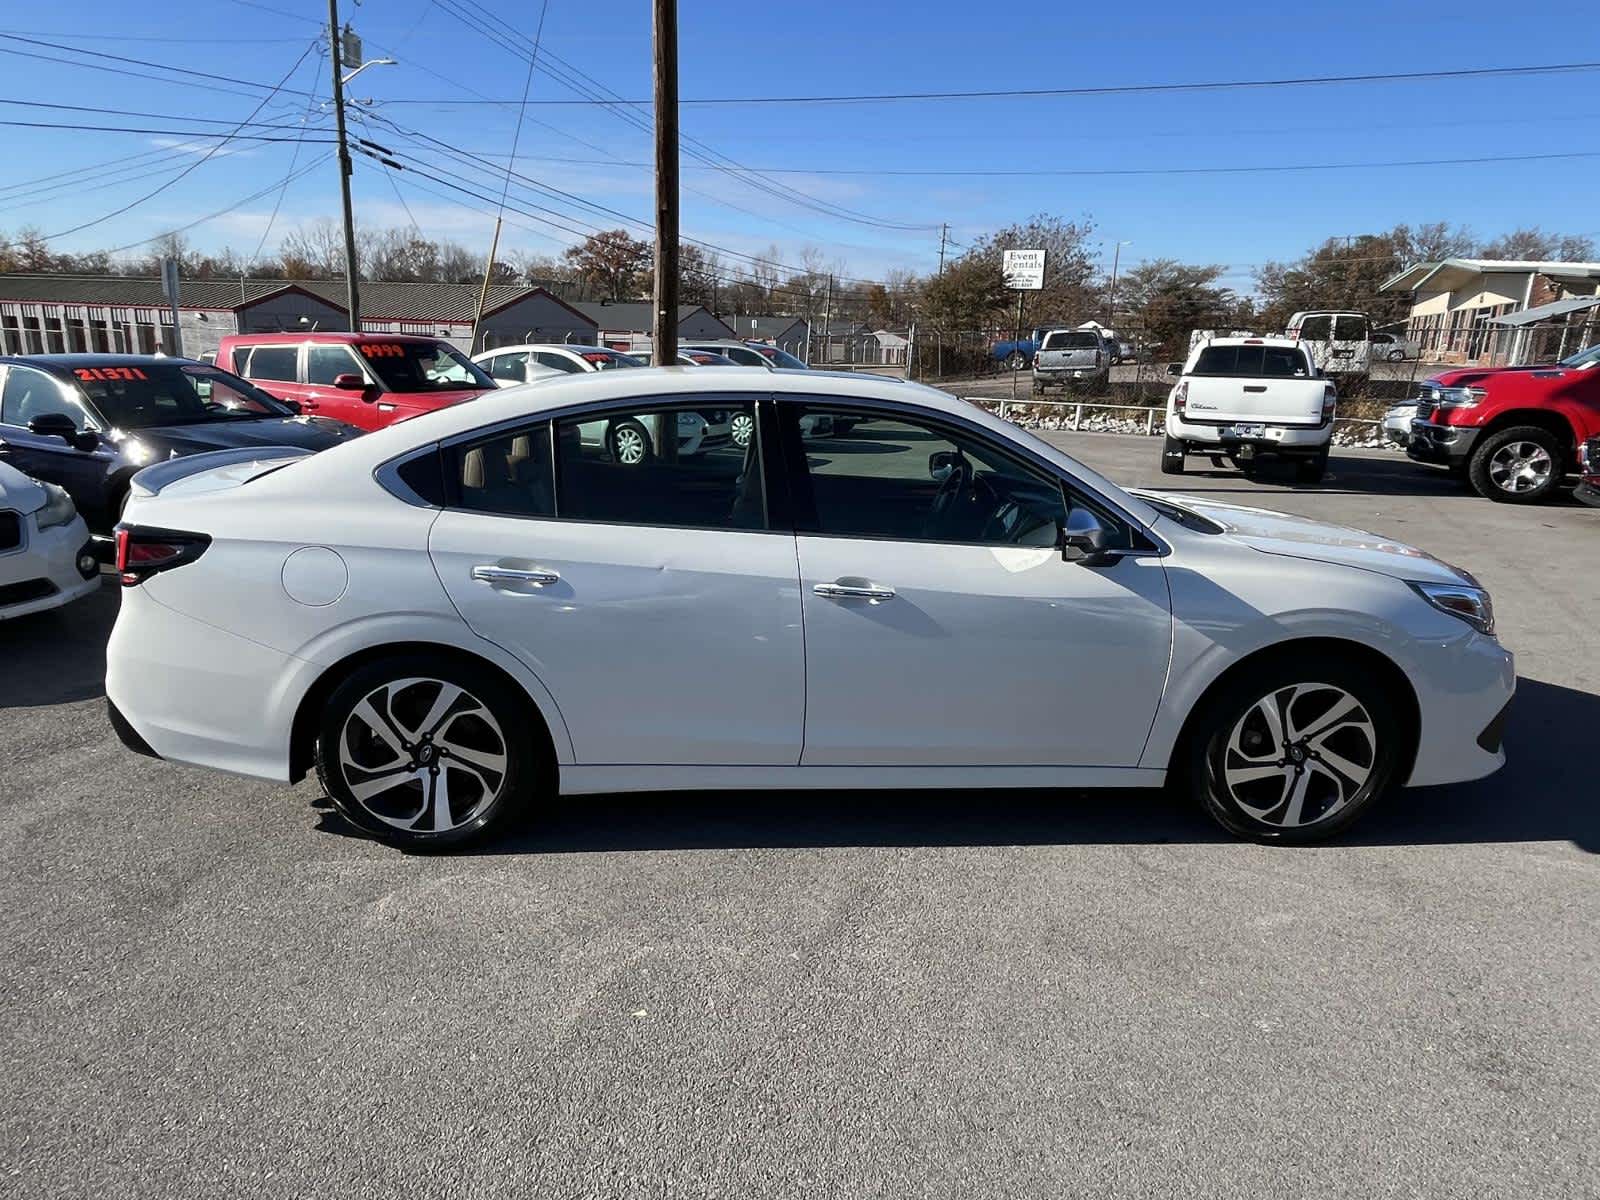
{"points": [[582, 780]]}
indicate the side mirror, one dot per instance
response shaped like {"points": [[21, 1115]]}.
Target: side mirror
{"points": [[1083, 539], [942, 462], [54, 424], [1174, 368], [350, 381]]}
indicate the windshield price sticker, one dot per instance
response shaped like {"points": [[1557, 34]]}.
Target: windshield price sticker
{"points": [[383, 350], [91, 373]]}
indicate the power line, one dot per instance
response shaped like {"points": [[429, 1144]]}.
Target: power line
{"points": [[125, 112], [117, 212], [163, 38], [222, 212], [294, 159], [228, 79], [183, 133], [1138, 89]]}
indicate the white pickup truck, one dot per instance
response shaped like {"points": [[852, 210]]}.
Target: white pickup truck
{"points": [[1249, 397]]}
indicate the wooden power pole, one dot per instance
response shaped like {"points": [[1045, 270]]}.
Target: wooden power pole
{"points": [[665, 334], [336, 58]]}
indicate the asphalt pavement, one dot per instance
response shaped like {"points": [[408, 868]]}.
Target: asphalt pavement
{"points": [[210, 988]]}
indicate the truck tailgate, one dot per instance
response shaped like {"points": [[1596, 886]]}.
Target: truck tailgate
{"points": [[1266, 401]]}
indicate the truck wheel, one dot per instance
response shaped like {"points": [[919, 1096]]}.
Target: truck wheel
{"points": [[1016, 360], [1520, 465], [1172, 456], [1311, 470]]}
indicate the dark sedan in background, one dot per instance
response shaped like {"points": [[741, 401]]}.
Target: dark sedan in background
{"points": [[88, 422]]}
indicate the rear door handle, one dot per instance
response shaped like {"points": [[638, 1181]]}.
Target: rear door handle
{"points": [[853, 587], [491, 574]]}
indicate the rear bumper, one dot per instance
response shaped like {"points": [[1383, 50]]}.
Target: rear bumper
{"points": [[1440, 445], [1063, 376], [1275, 439]]}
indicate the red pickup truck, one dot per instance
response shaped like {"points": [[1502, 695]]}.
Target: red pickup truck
{"points": [[365, 379], [1514, 432]]}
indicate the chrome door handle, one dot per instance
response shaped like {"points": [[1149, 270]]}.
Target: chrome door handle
{"points": [[538, 576], [855, 588]]}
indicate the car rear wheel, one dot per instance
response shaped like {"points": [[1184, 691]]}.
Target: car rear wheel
{"points": [[1172, 454], [1296, 750], [1521, 465], [1312, 470], [741, 428], [424, 751], [1016, 360], [628, 442]]}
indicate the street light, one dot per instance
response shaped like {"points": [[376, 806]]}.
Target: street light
{"points": [[1111, 303], [371, 62]]}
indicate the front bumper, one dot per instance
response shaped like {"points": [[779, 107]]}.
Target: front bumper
{"points": [[44, 571], [1441, 445], [1462, 696], [1589, 491]]}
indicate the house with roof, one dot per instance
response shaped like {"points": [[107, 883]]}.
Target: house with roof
{"points": [[53, 314], [786, 333], [630, 324], [59, 314], [1498, 310], [511, 314]]}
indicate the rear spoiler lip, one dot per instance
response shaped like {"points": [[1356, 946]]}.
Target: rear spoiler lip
{"points": [[152, 479]]}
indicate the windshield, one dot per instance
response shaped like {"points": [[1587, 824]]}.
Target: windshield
{"points": [[1257, 362], [704, 358], [781, 358], [608, 360], [1583, 358], [423, 367], [1061, 340], [173, 393]]}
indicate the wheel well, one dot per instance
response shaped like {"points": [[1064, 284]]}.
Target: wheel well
{"points": [[1543, 418], [303, 733], [1396, 685]]}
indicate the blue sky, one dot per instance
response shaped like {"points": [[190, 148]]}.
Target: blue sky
{"points": [[730, 49]]}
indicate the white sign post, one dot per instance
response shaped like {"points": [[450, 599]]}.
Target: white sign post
{"points": [[1024, 272]]}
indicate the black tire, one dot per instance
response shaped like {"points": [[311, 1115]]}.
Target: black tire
{"points": [[628, 443], [1172, 454], [477, 798], [1487, 468], [1016, 360], [1326, 807], [1311, 470]]}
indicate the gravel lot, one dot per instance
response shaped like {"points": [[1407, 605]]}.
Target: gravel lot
{"points": [[210, 989]]}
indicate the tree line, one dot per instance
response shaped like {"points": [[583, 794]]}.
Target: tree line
{"points": [[1158, 300]]}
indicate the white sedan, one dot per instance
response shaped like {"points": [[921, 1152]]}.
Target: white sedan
{"points": [[456, 617], [46, 557]]}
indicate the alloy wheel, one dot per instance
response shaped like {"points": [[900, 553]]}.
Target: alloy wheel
{"points": [[1299, 755], [628, 445], [741, 427], [1520, 467], [423, 755]]}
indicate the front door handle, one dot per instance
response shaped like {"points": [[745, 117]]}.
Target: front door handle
{"points": [[853, 587], [538, 576]]}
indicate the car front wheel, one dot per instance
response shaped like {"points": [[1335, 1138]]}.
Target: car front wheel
{"points": [[741, 428], [424, 751], [1522, 465], [1296, 750], [628, 442]]}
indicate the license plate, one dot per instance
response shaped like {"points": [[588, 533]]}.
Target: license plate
{"points": [[1249, 431]]}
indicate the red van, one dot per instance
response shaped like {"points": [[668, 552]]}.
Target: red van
{"points": [[366, 379]]}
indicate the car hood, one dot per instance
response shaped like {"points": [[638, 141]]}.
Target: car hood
{"points": [[310, 433], [1299, 537], [19, 491], [428, 401], [1471, 376]]}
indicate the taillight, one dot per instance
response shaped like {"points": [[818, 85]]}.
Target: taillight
{"points": [[143, 552], [1330, 400], [1180, 397]]}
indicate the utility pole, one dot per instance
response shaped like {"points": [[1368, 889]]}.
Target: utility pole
{"points": [[665, 340], [827, 322], [944, 233], [1111, 304], [483, 292], [336, 58]]}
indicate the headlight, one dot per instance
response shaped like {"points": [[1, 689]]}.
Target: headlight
{"points": [[1471, 604], [1457, 397], [58, 507]]}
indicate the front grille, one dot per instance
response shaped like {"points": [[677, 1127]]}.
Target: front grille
{"points": [[10, 529], [28, 589], [1424, 410]]}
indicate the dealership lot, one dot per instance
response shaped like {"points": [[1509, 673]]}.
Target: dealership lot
{"points": [[211, 988]]}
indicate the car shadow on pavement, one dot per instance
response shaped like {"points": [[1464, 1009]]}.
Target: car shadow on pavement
{"points": [[59, 656], [1347, 476], [1544, 794]]}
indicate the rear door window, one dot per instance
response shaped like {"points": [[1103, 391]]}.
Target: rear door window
{"points": [[560, 362], [509, 367], [1317, 329], [273, 362], [1351, 328]]}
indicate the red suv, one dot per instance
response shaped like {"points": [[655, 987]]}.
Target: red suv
{"points": [[367, 379], [1513, 431]]}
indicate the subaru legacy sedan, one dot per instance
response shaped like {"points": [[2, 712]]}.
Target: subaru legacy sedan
{"points": [[455, 616]]}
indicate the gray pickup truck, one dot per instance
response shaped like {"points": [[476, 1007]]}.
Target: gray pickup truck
{"points": [[1072, 358]]}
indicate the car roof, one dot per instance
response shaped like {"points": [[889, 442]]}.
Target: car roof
{"points": [[345, 466], [66, 362], [1280, 342], [294, 337]]}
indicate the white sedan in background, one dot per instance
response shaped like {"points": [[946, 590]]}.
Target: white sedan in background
{"points": [[46, 557], [456, 617]]}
